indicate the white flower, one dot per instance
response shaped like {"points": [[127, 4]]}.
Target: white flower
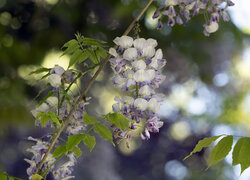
{"points": [[171, 2], [124, 41], [145, 90], [128, 100], [130, 54], [57, 70], [42, 108], [141, 104], [151, 42], [34, 112], [212, 27], [154, 63], [148, 51], [55, 80], [52, 101], [113, 52], [139, 64], [129, 74], [144, 75], [139, 43], [158, 54], [153, 104]]}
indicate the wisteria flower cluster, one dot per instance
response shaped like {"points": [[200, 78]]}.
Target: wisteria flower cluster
{"points": [[57, 79], [181, 11], [137, 66]]}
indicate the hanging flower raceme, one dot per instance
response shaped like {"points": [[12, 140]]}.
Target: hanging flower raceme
{"points": [[137, 66], [181, 11], [56, 106]]}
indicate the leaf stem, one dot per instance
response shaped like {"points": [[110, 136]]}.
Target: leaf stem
{"points": [[92, 80]]}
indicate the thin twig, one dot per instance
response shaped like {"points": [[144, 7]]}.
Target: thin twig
{"points": [[65, 120]]}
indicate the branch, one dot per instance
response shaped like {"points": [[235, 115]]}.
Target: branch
{"points": [[65, 120]]}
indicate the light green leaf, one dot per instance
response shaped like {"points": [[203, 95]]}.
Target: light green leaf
{"points": [[36, 177], [54, 117], [89, 141], [78, 56], [90, 41], [71, 46], [77, 151], [101, 52], [44, 118], [3, 176], [87, 119], [11, 178], [118, 119], [73, 141], [59, 151], [241, 153], [40, 70], [104, 132], [221, 150], [202, 144]]}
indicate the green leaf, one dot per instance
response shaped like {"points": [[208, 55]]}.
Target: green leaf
{"points": [[104, 132], [11, 178], [59, 151], [54, 117], [241, 153], [89, 141], [40, 70], [118, 119], [87, 119], [92, 56], [90, 41], [36, 177], [73, 141], [221, 150], [202, 144], [71, 46], [44, 118], [77, 151], [101, 52], [46, 97], [78, 56]]}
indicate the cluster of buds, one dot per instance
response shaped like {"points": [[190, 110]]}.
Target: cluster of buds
{"points": [[137, 66], [212, 9]]}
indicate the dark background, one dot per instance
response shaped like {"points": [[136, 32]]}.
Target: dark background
{"points": [[207, 88]]}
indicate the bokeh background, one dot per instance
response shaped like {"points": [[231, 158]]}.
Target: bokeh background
{"points": [[207, 86]]}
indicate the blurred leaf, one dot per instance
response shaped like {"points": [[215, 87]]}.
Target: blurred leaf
{"points": [[101, 52], [36, 177], [87, 119], [3, 176], [76, 57], [59, 151], [89, 141], [241, 153], [118, 119], [92, 56], [46, 97], [90, 41], [77, 151], [104, 132], [221, 150], [202, 144], [40, 70]]}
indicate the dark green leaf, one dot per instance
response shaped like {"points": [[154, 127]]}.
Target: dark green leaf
{"points": [[118, 119], [59, 151], [89, 141], [87, 119], [202, 144], [77, 151], [241, 153], [40, 70], [73, 141], [221, 150], [71, 46], [46, 97], [104, 132]]}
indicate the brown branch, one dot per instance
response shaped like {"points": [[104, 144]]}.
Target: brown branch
{"points": [[66, 120]]}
